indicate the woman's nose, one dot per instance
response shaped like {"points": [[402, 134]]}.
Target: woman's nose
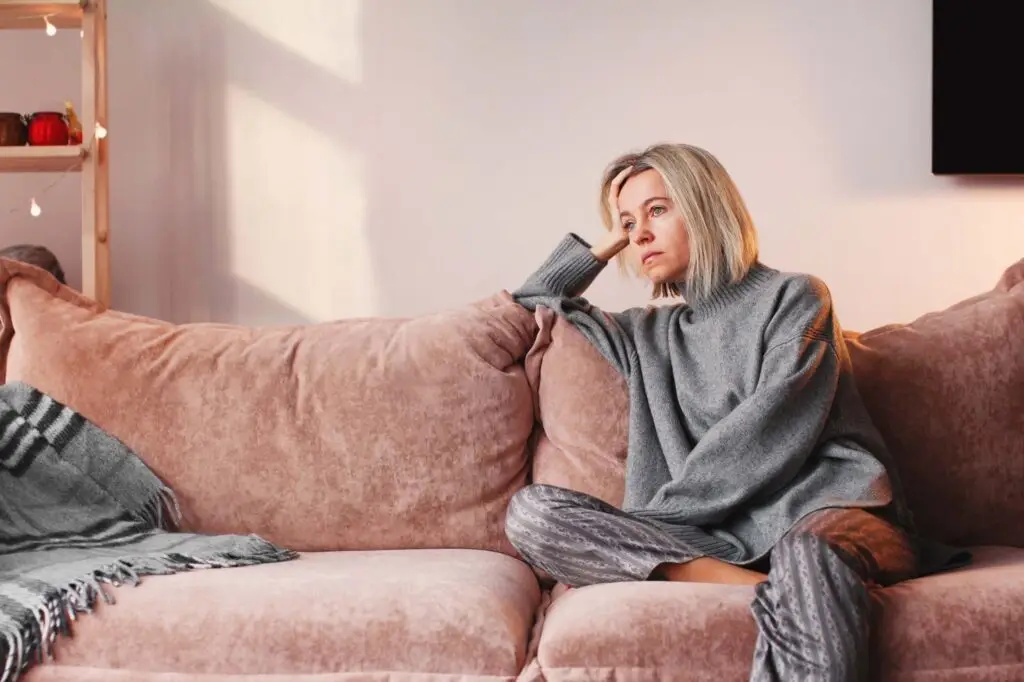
{"points": [[641, 235]]}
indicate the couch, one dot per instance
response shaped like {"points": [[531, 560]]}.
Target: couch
{"points": [[385, 451]]}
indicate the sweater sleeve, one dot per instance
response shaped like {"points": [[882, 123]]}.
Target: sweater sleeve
{"points": [[765, 441], [566, 273], [558, 285]]}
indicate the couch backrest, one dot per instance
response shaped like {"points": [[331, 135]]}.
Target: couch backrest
{"points": [[357, 434], [946, 391]]}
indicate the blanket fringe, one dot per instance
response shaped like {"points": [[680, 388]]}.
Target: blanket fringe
{"points": [[162, 510], [22, 644]]}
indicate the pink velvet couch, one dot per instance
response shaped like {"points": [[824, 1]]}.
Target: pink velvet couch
{"points": [[386, 452]]}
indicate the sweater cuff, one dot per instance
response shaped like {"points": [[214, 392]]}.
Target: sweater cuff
{"points": [[570, 267]]}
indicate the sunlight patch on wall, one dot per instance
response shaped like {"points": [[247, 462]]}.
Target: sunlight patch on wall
{"points": [[297, 213], [326, 32]]}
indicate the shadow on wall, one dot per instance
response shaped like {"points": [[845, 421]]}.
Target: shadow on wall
{"points": [[387, 157], [365, 118], [202, 49], [363, 157], [250, 132], [320, 172]]}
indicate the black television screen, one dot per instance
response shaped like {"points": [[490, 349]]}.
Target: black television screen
{"points": [[977, 103]]}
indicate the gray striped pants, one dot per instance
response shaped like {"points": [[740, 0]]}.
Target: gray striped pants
{"points": [[812, 613]]}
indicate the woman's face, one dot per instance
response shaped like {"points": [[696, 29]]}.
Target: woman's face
{"points": [[655, 227]]}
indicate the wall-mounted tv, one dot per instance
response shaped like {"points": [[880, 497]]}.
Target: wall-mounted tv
{"points": [[977, 87]]}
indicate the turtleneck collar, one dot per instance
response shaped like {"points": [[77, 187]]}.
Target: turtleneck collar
{"points": [[725, 295]]}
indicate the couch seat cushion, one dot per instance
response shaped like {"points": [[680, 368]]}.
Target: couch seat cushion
{"points": [[456, 612], [963, 625]]}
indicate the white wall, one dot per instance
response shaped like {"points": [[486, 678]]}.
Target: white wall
{"points": [[281, 162]]}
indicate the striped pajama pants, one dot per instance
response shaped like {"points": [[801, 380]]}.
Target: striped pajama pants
{"points": [[812, 613]]}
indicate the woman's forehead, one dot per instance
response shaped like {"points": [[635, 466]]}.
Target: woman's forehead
{"points": [[641, 187]]}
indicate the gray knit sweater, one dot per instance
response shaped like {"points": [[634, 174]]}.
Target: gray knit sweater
{"points": [[744, 416]]}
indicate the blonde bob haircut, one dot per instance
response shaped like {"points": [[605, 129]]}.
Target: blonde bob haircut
{"points": [[722, 237]]}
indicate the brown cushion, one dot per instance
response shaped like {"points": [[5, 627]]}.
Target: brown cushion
{"points": [[456, 614], [358, 434], [947, 393], [963, 626]]}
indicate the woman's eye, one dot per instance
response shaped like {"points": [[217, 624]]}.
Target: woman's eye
{"points": [[657, 210], [629, 224]]}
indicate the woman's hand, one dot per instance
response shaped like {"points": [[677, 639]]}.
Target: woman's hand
{"points": [[618, 236]]}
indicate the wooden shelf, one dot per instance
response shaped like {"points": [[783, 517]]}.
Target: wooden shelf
{"points": [[41, 159], [29, 15], [91, 17]]}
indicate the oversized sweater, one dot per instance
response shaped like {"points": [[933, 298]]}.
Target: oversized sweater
{"points": [[744, 415]]}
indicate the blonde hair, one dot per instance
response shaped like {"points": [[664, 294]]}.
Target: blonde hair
{"points": [[722, 237]]}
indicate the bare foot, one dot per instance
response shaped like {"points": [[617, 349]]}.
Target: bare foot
{"points": [[709, 570]]}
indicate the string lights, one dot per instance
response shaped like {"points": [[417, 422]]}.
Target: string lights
{"points": [[48, 25], [99, 133], [34, 209]]}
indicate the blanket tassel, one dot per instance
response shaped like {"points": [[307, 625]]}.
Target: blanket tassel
{"points": [[29, 635]]}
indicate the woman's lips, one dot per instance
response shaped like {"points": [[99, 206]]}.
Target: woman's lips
{"points": [[650, 255]]}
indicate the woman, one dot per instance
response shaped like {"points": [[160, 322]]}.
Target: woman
{"points": [[752, 459]]}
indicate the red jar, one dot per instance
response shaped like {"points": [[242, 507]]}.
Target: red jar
{"points": [[47, 128]]}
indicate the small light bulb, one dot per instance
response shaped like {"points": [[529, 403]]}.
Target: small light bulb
{"points": [[101, 132], [34, 209], [51, 30]]}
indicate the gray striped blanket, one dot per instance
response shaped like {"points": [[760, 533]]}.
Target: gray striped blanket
{"points": [[80, 513]]}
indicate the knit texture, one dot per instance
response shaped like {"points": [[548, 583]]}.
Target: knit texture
{"points": [[78, 509], [744, 416]]}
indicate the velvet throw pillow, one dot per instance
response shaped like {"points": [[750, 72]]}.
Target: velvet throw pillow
{"points": [[356, 434], [582, 412], [947, 393]]}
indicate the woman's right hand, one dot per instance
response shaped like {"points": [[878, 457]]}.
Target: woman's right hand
{"points": [[618, 236]]}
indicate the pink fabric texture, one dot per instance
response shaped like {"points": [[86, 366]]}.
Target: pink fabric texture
{"points": [[358, 434], [947, 393], [582, 410], [87, 674], [963, 626], [422, 613]]}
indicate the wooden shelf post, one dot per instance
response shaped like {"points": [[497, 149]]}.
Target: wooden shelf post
{"points": [[95, 171]]}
